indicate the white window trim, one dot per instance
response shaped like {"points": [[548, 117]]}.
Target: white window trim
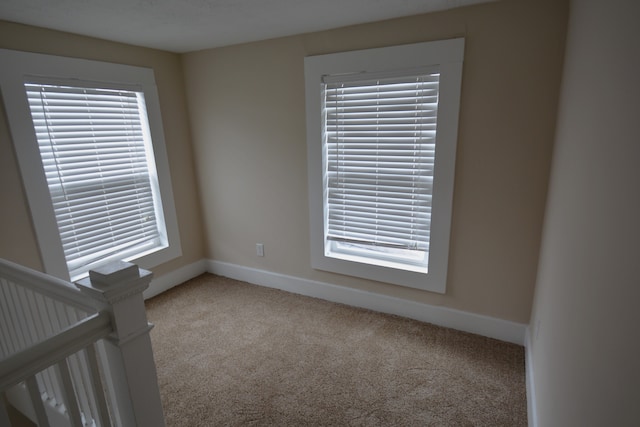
{"points": [[447, 55], [16, 66]]}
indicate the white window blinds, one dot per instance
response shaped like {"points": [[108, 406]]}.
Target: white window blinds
{"points": [[379, 160], [98, 162]]}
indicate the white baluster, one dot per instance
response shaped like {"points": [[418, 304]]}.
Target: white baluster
{"points": [[68, 394], [102, 411], [36, 400], [80, 377]]}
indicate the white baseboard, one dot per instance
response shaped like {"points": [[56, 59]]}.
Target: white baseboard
{"points": [[503, 330], [176, 277], [448, 317], [531, 390]]}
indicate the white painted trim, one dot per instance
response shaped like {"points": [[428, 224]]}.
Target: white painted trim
{"points": [[532, 409], [19, 65], [442, 316], [176, 277], [447, 57]]}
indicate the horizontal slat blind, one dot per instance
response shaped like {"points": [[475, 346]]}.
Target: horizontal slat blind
{"points": [[380, 142], [92, 144]]}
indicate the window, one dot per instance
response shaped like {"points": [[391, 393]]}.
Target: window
{"points": [[382, 130], [89, 142]]}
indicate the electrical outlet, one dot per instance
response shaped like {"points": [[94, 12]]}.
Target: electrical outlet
{"points": [[259, 249]]}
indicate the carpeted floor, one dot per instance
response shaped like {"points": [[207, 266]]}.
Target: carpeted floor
{"points": [[232, 354]]}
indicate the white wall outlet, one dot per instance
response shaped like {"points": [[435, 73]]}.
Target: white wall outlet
{"points": [[259, 249]]}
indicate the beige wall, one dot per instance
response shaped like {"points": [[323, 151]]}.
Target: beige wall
{"points": [[585, 322], [246, 106], [17, 242]]}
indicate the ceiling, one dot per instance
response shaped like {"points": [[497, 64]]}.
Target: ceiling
{"points": [[188, 25]]}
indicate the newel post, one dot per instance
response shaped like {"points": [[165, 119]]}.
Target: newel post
{"points": [[130, 371]]}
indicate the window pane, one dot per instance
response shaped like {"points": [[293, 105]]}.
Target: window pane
{"points": [[379, 138], [96, 160]]}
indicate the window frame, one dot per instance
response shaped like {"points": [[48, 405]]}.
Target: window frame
{"points": [[447, 57], [19, 67]]}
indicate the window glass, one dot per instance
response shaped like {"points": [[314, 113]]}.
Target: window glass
{"points": [[379, 138]]}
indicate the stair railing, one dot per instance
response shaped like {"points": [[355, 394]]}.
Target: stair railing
{"points": [[77, 355]]}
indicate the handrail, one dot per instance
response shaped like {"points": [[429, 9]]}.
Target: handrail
{"points": [[26, 363], [45, 284]]}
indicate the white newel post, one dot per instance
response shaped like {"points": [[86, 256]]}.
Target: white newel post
{"points": [[130, 373]]}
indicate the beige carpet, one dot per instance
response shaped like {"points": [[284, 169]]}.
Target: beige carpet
{"points": [[232, 354]]}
